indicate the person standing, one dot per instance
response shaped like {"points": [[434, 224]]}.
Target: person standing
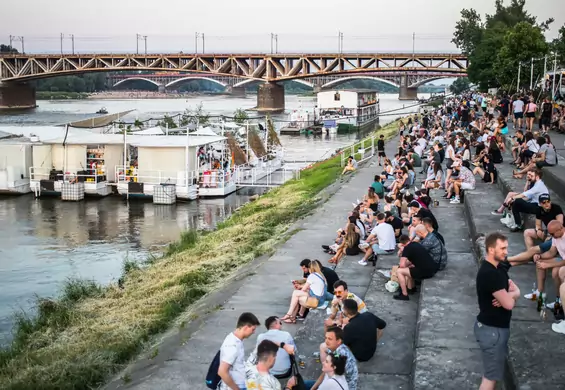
{"points": [[232, 353], [497, 295], [381, 148]]}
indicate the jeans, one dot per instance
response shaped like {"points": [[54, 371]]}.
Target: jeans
{"points": [[523, 206], [309, 384], [329, 297]]}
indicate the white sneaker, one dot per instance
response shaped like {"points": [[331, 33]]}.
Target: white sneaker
{"points": [[363, 245], [530, 295], [550, 306], [559, 328], [455, 201], [495, 212], [385, 273], [362, 262]]}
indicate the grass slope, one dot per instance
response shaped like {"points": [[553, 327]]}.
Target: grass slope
{"points": [[90, 332]]}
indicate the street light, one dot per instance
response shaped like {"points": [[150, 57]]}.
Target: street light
{"points": [[140, 37]]}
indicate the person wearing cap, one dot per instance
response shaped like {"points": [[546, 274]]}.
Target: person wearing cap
{"points": [[546, 213], [465, 180]]}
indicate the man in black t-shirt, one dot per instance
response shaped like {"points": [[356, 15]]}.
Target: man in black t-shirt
{"points": [[496, 295], [381, 148], [417, 209], [396, 224], [504, 105], [546, 114], [362, 331], [415, 263], [546, 213]]}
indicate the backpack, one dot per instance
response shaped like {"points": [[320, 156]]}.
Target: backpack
{"points": [[212, 377]]}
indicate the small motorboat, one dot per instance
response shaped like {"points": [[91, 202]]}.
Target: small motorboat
{"points": [[102, 111]]}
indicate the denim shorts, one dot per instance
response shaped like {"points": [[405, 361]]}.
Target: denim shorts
{"points": [[545, 246], [494, 349]]}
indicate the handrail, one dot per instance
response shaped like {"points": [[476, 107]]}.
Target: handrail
{"points": [[154, 176]]}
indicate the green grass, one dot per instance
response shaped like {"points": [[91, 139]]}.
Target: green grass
{"points": [[91, 332]]}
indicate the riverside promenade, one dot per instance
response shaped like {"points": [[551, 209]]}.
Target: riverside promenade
{"points": [[428, 342]]}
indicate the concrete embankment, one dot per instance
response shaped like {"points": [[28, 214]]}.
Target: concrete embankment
{"points": [[428, 342]]}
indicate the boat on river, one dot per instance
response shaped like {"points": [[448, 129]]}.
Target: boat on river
{"points": [[102, 111], [345, 111], [14, 164]]}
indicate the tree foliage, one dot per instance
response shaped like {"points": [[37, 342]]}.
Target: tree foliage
{"points": [[198, 115], [7, 49], [240, 116], [90, 82], [558, 46], [498, 43], [460, 85]]}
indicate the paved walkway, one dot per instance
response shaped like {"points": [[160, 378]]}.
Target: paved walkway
{"points": [[428, 342]]}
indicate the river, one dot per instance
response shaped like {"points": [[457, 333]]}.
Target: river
{"points": [[43, 242]]}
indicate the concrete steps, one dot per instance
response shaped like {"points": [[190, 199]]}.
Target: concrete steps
{"points": [[533, 346]]}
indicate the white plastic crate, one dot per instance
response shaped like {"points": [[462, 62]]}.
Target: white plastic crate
{"points": [[164, 194]]}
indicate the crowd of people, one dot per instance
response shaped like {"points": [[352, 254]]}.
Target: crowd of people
{"points": [[448, 149]]}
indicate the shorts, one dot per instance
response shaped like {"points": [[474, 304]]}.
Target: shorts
{"points": [[467, 186], [418, 274], [541, 164], [546, 121], [494, 349], [378, 251], [382, 153], [530, 114], [518, 115], [545, 246]]}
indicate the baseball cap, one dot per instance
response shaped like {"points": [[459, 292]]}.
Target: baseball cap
{"points": [[543, 197], [414, 203]]}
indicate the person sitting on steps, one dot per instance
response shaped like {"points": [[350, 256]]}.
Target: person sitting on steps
{"points": [[342, 293]]}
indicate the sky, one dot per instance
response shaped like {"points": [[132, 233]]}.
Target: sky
{"points": [[245, 26]]}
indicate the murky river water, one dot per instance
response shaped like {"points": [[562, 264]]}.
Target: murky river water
{"points": [[45, 241]]}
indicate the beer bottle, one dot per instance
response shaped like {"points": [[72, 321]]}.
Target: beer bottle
{"points": [[534, 295], [540, 301], [556, 307]]}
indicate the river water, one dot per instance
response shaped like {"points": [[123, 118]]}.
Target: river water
{"points": [[45, 241]]}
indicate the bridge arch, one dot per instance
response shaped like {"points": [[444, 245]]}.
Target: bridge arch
{"points": [[429, 80], [189, 78], [249, 81], [136, 78], [345, 79]]}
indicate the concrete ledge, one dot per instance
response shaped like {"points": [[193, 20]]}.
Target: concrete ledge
{"points": [[532, 351]]}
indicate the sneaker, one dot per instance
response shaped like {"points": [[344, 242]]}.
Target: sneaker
{"points": [[517, 228], [559, 328], [324, 306], [362, 262], [496, 212], [550, 306], [531, 295], [326, 247], [401, 297], [412, 291], [385, 273], [455, 201]]}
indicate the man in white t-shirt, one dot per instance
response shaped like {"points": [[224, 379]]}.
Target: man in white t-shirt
{"points": [[232, 353], [381, 241], [518, 109]]}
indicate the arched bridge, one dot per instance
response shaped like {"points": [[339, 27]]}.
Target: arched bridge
{"points": [[268, 68]]}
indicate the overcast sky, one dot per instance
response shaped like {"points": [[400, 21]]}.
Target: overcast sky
{"points": [[238, 25]]}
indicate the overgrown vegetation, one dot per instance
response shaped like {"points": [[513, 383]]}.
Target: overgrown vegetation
{"points": [[79, 340]]}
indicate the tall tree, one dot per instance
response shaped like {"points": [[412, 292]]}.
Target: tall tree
{"points": [[483, 41], [460, 85], [558, 46], [522, 43], [7, 49]]}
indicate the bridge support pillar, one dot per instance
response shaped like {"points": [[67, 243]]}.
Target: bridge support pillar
{"points": [[407, 93], [162, 88], [17, 96], [270, 98], [317, 88], [236, 91]]}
